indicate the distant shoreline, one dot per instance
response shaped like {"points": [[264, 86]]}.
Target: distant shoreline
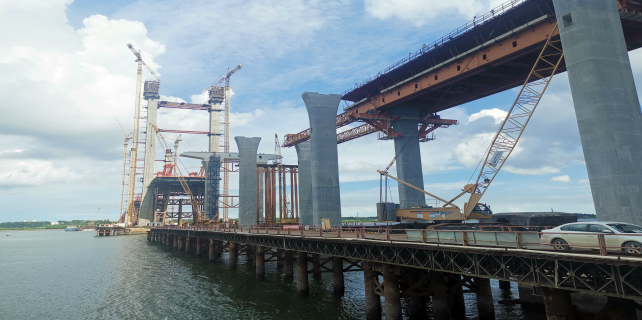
{"points": [[27, 229]]}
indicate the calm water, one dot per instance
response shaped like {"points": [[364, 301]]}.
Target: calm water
{"points": [[76, 275]]}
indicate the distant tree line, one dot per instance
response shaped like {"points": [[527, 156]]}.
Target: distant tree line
{"points": [[62, 224]]}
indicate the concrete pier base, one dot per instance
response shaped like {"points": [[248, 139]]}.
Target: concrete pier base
{"points": [[338, 286], [392, 295], [288, 264], [558, 304], [259, 255], [485, 304], [440, 310], [316, 265], [456, 302], [187, 244], [175, 241], [416, 304], [199, 248], [181, 243], [234, 253], [210, 254], [302, 285], [373, 301]]}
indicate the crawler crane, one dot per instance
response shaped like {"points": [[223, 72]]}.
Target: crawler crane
{"points": [[500, 149]]}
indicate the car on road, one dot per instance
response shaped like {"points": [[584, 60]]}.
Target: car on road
{"points": [[618, 236]]}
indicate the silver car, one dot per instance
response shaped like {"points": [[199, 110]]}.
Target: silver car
{"points": [[617, 235]]}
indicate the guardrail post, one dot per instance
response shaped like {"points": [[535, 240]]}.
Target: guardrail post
{"points": [[602, 242], [338, 232], [387, 234], [518, 240], [423, 236], [464, 238]]}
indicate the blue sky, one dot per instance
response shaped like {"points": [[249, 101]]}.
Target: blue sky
{"points": [[66, 76]]}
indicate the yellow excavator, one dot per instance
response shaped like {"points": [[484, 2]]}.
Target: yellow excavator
{"points": [[501, 147]]}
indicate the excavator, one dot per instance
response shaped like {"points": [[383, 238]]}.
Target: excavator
{"points": [[498, 152]]}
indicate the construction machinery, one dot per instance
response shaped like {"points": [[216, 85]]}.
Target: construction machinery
{"points": [[498, 152], [198, 214], [130, 217], [227, 166]]}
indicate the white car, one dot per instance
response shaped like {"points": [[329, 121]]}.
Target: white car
{"points": [[584, 235]]}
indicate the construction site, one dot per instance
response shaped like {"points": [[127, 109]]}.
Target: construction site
{"points": [[425, 249]]}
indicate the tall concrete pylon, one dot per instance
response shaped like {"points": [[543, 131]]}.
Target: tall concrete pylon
{"points": [[146, 213], [217, 95], [606, 105], [408, 154], [248, 148], [303, 153], [326, 198]]}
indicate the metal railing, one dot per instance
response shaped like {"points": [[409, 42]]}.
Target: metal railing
{"points": [[443, 40]]}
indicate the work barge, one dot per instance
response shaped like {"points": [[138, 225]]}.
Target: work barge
{"points": [[422, 273]]}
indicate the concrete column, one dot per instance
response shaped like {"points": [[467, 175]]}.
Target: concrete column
{"points": [[392, 296], [558, 304], [187, 244], [210, 251], [303, 153], [247, 179], [234, 252], [259, 255], [302, 274], [176, 241], [440, 309], [279, 258], [199, 248], [181, 243], [146, 213], [485, 304], [456, 302], [316, 265], [217, 95], [416, 305], [504, 285], [606, 105], [338, 285], [289, 264], [408, 162], [326, 198], [373, 302]]}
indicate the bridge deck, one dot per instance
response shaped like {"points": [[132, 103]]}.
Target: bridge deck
{"points": [[614, 275]]}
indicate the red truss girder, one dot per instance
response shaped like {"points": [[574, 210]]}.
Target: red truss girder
{"points": [[183, 105], [183, 131]]}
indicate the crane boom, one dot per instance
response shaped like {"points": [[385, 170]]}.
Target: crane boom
{"points": [[198, 214], [140, 58], [227, 76], [517, 117]]}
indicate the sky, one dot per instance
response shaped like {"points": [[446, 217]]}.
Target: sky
{"points": [[67, 80]]}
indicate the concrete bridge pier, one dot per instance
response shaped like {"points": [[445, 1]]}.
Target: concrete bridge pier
{"points": [[234, 252], [326, 198], [558, 304], [199, 248], [248, 193], [279, 258], [606, 105], [149, 235], [210, 254], [260, 263], [440, 310], [504, 285], [485, 303], [392, 295], [456, 302], [304, 154], [338, 285], [316, 265], [181, 243], [187, 244], [289, 264], [302, 284], [175, 241], [370, 281], [408, 154], [416, 303]]}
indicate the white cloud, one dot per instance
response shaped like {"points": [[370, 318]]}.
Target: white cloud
{"points": [[498, 115], [583, 181], [171, 99], [532, 171], [564, 178], [427, 11]]}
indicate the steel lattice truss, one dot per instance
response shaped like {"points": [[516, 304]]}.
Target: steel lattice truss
{"points": [[619, 278]]}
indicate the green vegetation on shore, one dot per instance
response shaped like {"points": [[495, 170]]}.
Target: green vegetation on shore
{"points": [[31, 225], [358, 219]]}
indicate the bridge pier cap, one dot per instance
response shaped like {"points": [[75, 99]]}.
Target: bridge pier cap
{"points": [[326, 199], [303, 153], [606, 105], [247, 179]]}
